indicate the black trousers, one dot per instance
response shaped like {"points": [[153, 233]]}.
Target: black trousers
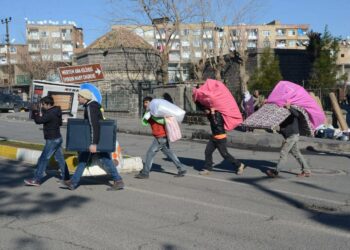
{"points": [[219, 144]]}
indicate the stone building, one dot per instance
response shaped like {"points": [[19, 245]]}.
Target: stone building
{"points": [[129, 63]]}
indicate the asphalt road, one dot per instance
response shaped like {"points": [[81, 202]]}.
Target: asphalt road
{"points": [[219, 211]]}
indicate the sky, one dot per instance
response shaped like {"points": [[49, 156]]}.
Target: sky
{"points": [[95, 16]]}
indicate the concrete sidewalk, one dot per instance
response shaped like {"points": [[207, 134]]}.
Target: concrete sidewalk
{"points": [[258, 140]]}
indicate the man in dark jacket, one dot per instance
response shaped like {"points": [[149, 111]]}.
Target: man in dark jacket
{"points": [[92, 113], [289, 128], [218, 141], [51, 118]]}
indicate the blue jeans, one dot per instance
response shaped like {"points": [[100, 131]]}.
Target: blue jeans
{"points": [[52, 147], [163, 145], [85, 157]]}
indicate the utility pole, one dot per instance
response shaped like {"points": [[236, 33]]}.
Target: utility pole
{"points": [[7, 40]]}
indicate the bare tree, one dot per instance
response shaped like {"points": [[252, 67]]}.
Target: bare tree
{"points": [[165, 16], [230, 42], [37, 67]]}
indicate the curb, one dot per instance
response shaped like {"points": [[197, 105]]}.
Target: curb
{"points": [[131, 164]]}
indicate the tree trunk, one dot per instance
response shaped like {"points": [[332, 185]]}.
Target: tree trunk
{"points": [[243, 77], [164, 68]]}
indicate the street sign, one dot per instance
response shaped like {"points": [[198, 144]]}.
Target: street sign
{"points": [[81, 73]]}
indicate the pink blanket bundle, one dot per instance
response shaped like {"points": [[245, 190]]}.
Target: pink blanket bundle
{"points": [[288, 92], [214, 94]]}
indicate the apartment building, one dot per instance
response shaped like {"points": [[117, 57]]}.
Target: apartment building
{"points": [[17, 76], [51, 41], [193, 42], [343, 61]]}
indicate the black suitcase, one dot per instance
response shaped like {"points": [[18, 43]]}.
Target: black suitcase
{"points": [[79, 136]]}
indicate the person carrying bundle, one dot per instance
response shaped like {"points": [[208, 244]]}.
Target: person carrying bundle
{"points": [[160, 142]]}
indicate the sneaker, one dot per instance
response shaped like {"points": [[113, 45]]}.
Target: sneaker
{"points": [[181, 173], [240, 169], [272, 173], [117, 185], [141, 176], [204, 172], [69, 185], [304, 174], [32, 182]]}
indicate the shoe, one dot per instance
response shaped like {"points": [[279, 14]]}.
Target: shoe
{"points": [[272, 173], [204, 172], [240, 169], [181, 173], [117, 185], [32, 182], [141, 176], [304, 174], [69, 185]]}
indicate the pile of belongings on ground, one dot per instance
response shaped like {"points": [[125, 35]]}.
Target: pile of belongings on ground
{"points": [[273, 113], [214, 94], [329, 132]]}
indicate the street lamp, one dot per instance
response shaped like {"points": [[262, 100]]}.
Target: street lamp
{"points": [[7, 40]]}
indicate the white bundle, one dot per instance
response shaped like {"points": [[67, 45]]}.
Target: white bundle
{"points": [[163, 108]]}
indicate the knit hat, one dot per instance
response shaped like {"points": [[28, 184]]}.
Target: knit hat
{"points": [[85, 93]]}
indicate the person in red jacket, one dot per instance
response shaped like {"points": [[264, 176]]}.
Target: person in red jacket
{"points": [[160, 142]]}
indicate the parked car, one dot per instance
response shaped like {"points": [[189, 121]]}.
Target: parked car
{"points": [[12, 102]]}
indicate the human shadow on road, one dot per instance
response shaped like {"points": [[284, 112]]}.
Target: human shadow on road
{"points": [[19, 202], [324, 214], [225, 166]]}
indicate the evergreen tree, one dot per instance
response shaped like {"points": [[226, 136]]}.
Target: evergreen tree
{"points": [[323, 54], [267, 74]]}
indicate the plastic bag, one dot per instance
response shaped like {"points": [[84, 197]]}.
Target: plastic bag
{"points": [[172, 129], [163, 108]]}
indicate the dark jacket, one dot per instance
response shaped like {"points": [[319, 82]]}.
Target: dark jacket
{"points": [[216, 123], [52, 120], [290, 126], [93, 114]]}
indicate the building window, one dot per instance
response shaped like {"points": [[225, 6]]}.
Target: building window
{"points": [[185, 55], [291, 32], [196, 43], [45, 46], [280, 32], [56, 45], [266, 33], [185, 43], [280, 43], [207, 33], [43, 34], [252, 34], [292, 43], [56, 57], [198, 54], [67, 47], [56, 34], [33, 34], [235, 33], [342, 55], [251, 44], [196, 32], [13, 50], [65, 56], [185, 32], [302, 32], [46, 57]]}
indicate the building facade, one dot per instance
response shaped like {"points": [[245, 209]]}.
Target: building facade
{"points": [[50, 41], [343, 61], [12, 75], [193, 42]]}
